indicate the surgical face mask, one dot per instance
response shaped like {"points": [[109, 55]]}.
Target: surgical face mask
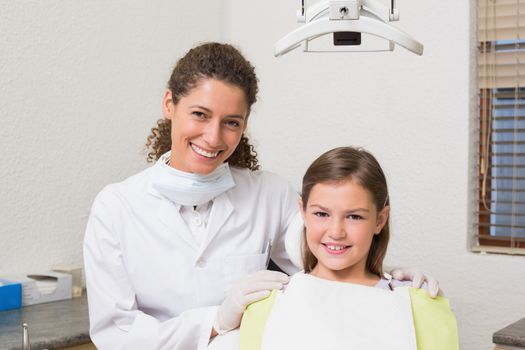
{"points": [[187, 188]]}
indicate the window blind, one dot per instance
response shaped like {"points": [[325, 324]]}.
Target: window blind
{"points": [[500, 166]]}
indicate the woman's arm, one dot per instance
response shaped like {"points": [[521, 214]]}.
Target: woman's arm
{"points": [[288, 200]]}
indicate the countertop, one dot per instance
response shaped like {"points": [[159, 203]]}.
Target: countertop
{"points": [[513, 335], [51, 326]]}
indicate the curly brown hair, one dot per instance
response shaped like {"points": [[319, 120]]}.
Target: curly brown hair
{"points": [[210, 60]]}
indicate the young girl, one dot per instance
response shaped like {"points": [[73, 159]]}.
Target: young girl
{"points": [[345, 208], [343, 300]]}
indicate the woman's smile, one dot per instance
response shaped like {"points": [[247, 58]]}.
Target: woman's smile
{"points": [[204, 153]]}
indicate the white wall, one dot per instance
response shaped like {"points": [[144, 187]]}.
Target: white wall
{"points": [[414, 114], [81, 84]]}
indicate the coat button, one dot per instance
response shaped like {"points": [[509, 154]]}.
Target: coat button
{"points": [[197, 221], [201, 262]]}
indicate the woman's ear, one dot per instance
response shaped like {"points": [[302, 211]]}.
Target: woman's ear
{"points": [[382, 218], [168, 107], [245, 125]]}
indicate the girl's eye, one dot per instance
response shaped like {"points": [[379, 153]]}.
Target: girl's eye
{"points": [[355, 217], [321, 214]]}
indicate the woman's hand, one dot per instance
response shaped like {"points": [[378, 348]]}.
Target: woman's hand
{"points": [[247, 290], [418, 278]]}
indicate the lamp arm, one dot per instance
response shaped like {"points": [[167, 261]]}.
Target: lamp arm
{"points": [[385, 13], [316, 10]]}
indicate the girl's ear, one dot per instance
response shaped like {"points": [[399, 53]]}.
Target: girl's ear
{"points": [[168, 107], [382, 218], [301, 208]]}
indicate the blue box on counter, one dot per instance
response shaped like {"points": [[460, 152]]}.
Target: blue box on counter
{"points": [[10, 295]]}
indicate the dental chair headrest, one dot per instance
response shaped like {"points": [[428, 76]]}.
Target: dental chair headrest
{"points": [[293, 240]]}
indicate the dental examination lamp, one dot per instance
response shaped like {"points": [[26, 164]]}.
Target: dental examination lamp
{"points": [[355, 25]]}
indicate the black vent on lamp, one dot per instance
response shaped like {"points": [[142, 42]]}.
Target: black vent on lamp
{"points": [[347, 38]]}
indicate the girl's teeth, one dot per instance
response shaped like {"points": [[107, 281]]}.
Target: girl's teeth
{"points": [[335, 247], [203, 152]]}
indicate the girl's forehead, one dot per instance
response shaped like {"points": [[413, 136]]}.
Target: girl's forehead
{"points": [[332, 191], [348, 182]]}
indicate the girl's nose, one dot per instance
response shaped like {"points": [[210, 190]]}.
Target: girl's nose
{"points": [[337, 229]]}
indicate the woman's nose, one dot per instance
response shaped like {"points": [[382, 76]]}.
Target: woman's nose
{"points": [[212, 134]]}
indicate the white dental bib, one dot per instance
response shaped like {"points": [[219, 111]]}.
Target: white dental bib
{"points": [[314, 313]]}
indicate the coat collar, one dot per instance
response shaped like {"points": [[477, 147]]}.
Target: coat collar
{"points": [[169, 214], [221, 210]]}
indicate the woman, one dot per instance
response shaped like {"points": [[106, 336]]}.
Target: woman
{"points": [[163, 248]]}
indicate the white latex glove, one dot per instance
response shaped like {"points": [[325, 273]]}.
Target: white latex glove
{"points": [[247, 290], [418, 278]]}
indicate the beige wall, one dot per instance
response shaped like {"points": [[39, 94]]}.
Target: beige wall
{"points": [[80, 86]]}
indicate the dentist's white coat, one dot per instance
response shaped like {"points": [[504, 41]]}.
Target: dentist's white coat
{"points": [[150, 285]]}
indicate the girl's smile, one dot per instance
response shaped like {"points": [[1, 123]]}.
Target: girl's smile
{"points": [[336, 248]]}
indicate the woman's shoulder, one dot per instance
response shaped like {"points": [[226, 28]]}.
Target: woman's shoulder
{"points": [[131, 186], [256, 175], [260, 178]]}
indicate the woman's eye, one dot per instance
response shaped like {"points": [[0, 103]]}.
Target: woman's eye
{"points": [[198, 114], [233, 123], [320, 214]]}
